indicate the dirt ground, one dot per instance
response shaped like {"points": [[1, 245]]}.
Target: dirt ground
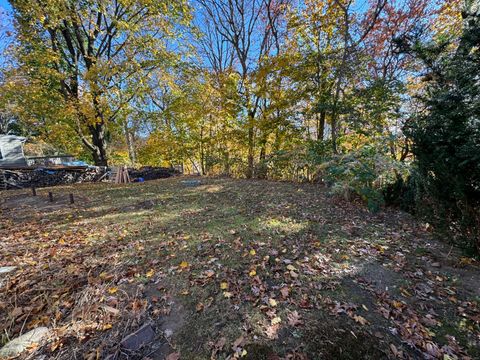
{"points": [[230, 269]]}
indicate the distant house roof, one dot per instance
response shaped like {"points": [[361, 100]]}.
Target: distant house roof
{"points": [[11, 150]]}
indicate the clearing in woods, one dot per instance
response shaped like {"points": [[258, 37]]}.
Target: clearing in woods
{"points": [[230, 269]]}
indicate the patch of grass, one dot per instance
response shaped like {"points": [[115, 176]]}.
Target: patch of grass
{"points": [[421, 251]]}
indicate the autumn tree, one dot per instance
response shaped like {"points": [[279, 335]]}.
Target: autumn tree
{"points": [[95, 55], [251, 30]]}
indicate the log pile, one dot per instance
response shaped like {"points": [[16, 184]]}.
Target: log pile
{"points": [[26, 177], [152, 173], [45, 177]]}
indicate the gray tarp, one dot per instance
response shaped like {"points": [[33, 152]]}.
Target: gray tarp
{"points": [[11, 151]]}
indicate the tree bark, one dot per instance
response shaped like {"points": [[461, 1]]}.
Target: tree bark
{"points": [[321, 125], [99, 151], [130, 144], [251, 146]]}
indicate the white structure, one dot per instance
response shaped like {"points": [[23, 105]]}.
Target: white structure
{"points": [[11, 151]]}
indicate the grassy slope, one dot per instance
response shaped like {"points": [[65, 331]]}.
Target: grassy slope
{"points": [[232, 267]]}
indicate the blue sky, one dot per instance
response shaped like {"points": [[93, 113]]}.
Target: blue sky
{"points": [[4, 7], [4, 4]]}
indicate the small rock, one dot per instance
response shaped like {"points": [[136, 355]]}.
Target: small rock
{"points": [[6, 269], [141, 337], [168, 333], [23, 342], [191, 183]]}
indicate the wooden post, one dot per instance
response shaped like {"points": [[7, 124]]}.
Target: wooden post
{"points": [[34, 191], [50, 196], [72, 201]]}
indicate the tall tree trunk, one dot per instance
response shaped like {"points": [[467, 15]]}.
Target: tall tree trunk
{"points": [[202, 150], [334, 129], [226, 166], [321, 125], [99, 151], [98, 133], [251, 145], [262, 173], [130, 144]]}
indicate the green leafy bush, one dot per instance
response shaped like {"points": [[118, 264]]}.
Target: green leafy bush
{"points": [[446, 136], [364, 173]]}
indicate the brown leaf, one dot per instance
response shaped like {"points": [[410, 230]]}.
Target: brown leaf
{"points": [[360, 319], [173, 356], [428, 320], [237, 343], [220, 343], [285, 291], [209, 273], [397, 353], [294, 318], [272, 331], [16, 312], [111, 309]]}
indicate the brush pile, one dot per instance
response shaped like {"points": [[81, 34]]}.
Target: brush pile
{"points": [[45, 177], [152, 173]]}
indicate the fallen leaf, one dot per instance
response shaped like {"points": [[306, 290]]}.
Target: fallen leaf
{"points": [[294, 318], [360, 319], [252, 273], [466, 261], [209, 273], [173, 356], [150, 273], [184, 264], [285, 291], [397, 304], [395, 351], [111, 309], [224, 285], [272, 331], [272, 302], [276, 320], [220, 343], [112, 290], [238, 342]]}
